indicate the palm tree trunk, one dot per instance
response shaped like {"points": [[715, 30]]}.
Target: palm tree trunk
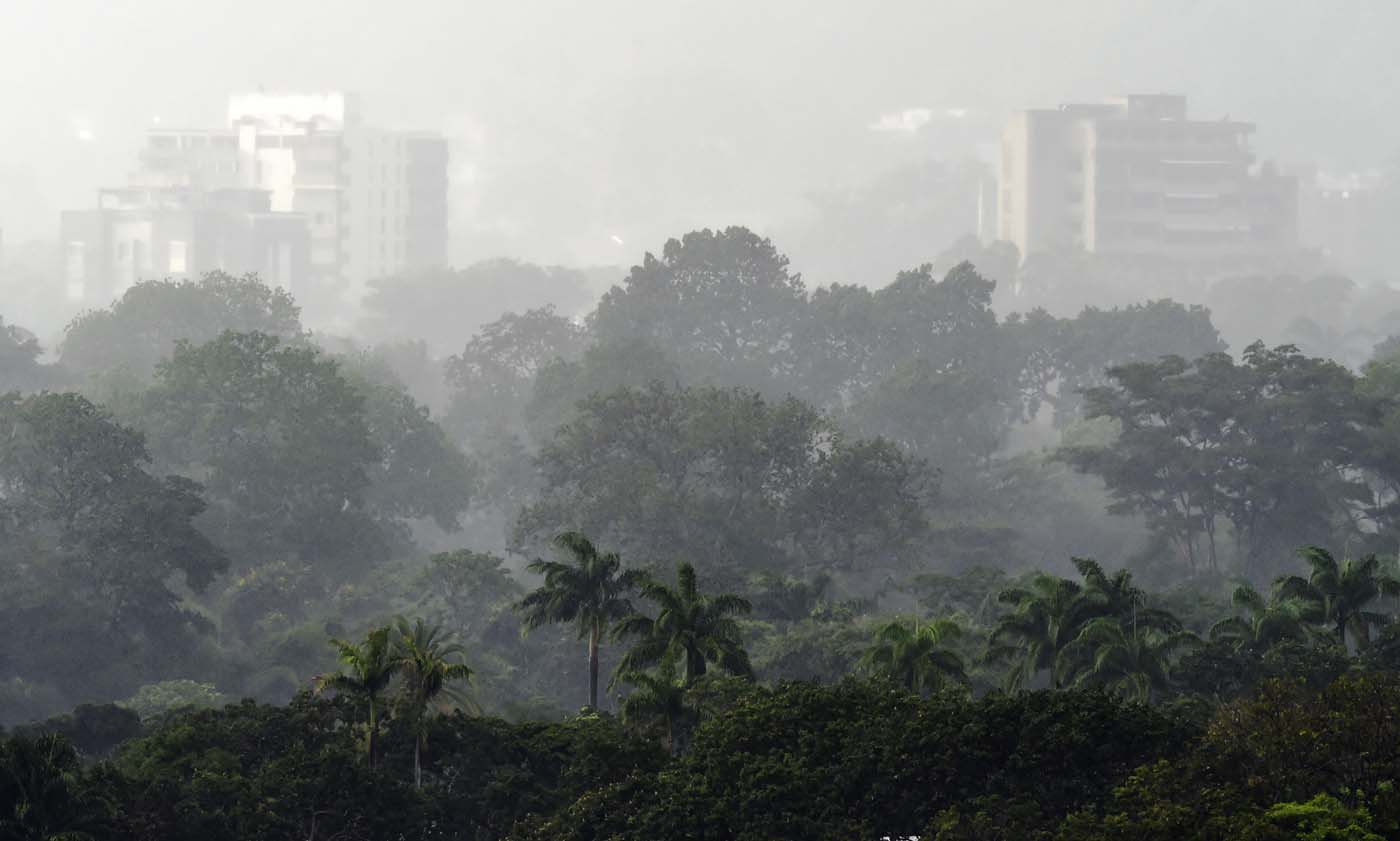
{"points": [[417, 763], [593, 635], [373, 733]]}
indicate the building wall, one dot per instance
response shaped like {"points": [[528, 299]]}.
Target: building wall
{"points": [[1134, 177]]}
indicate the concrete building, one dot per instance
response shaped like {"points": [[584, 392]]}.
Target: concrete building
{"points": [[139, 233], [1136, 177], [340, 203]]}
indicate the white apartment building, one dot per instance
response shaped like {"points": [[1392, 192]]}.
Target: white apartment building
{"points": [[1136, 177], [371, 202]]}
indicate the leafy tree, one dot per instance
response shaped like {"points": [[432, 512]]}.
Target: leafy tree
{"points": [[370, 667], [1283, 617], [424, 656], [43, 796], [493, 377], [20, 368], [444, 306], [916, 657], [1343, 591], [723, 302], [1136, 661], [696, 628], [591, 593], [95, 550], [668, 474], [658, 694], [1268, 446], [1046, 619], [143, 327], [280, 438]]}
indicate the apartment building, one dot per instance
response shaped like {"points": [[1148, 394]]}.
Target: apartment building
{"points": [[369, 202], [1136, 177]]}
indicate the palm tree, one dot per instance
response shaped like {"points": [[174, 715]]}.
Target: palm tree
{"points": [[591, 592], [1280, 618], [41, 795], [660, 694], [1047, 618], [1116, 595], [1134, 661], [696, 628], [916, 657], [1343, 591], [371, 667], [424, 656]]}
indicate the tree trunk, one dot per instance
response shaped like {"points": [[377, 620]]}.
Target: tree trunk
{"points": [[373, 733], [593, 635], [417, 763]]}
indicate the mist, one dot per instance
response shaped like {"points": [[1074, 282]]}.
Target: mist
{"points": [[958, 420]]}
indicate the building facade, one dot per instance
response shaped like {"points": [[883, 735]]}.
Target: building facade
{"points": [[1136, 177], [295, 187]]}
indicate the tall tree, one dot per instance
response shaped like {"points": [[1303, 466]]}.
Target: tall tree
{"points": [[43, 796], [425, 656], [592, 593], [370, 667], [1046, 618], [94, 550], [1135, 661], [696, 628], [142, 327], [724, 302], [1343, 592], [917, 656], [658, 694], [1282, 617]]}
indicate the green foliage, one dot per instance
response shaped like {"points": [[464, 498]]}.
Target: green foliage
{"points": [[691, 628], [95, 551], [1269, 446], [156, 699], [143, 327], [591, 593], [723, 475], [914, 657], [281, 440]]}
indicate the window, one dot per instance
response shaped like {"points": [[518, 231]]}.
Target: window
{"points": [[179, 257]]}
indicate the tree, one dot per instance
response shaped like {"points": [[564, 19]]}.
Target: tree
{"points": [[1135, 661], [1272, 445], [1283, 617], [1343, 592], [371, 666], [143, 327], [20, 368], [423, 655], [722, 302], [43, 796], [916, 657], [493, 377], [94, 550], [444, 306], [281, 441], [658, 694], [1046, 619], [696, 628], [671, 474], [591, 593]]}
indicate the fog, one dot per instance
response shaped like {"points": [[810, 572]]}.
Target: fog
{"points": [[645, 420], [571, 123]]}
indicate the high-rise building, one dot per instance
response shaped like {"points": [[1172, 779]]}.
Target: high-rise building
{"points": [[1136, 177], [369, 202]]}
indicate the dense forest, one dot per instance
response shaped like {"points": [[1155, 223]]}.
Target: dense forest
{"points": [[727, 557]]}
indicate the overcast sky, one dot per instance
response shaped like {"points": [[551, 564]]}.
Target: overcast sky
{"points": [[576, 122]]}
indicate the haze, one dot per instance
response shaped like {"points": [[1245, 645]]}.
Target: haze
{"points": [[573, 122]]}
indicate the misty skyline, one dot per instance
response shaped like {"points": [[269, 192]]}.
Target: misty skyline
{"points": [[574, 128]]}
